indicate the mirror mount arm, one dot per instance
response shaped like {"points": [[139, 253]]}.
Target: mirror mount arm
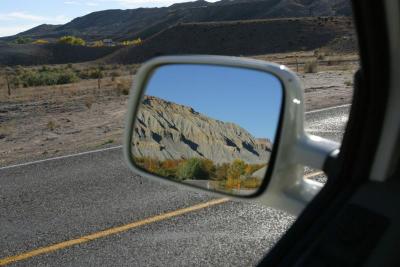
{"points": [[316, 152]]}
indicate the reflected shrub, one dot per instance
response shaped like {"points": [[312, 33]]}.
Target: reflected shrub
{"points": [[237, 174], [193, 169]]}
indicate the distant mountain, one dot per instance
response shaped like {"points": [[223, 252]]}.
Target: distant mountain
{"points": [[167, 130], [235, 38], [145, 22]]}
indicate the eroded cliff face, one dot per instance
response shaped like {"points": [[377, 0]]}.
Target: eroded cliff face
{"points": [[165, 130]]}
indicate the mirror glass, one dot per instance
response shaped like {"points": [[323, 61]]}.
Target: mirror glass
{"points": [[209, 126]]}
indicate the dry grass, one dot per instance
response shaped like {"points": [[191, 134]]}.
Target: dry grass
{"points": [[54, 120], [89, 102], [61, 119], [123, 87], [331, 61], [348, 83], [52, 125], [7, 128], [311, 66]]}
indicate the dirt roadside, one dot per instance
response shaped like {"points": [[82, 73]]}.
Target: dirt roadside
{"points": [[45, 122]]}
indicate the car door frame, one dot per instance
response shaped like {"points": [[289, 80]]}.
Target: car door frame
{"points": [[353, 166]]}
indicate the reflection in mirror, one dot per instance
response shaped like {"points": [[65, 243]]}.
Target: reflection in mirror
{"points": [[209, 126]]}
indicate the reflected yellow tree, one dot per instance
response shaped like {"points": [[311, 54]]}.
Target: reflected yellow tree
{"points": [[235, 171]]}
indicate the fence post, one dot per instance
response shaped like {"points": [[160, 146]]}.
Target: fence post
{"points": [[8, 85]]}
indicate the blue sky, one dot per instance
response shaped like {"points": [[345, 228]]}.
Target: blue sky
{"points": [[20, 15], [249, 98]]}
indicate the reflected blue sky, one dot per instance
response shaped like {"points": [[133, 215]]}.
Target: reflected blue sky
{"points": [[249, 98]]}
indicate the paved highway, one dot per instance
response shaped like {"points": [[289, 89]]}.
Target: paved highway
{"points": [[90, 210]]}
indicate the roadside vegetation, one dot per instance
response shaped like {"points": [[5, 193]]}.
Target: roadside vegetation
{"points": [[23, 77], [234, 175], [73, 40], [311, 66], [53, 120], [23, 40], [134, 42]]}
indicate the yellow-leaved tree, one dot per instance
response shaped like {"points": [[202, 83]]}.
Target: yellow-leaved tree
{"points": [[40, 42], [236, 169], [72, 40]]}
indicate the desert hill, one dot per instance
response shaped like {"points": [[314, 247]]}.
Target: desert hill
{"points": [[144, 22], [254, 37], [227, 27], [166, 130], [30, 54]]}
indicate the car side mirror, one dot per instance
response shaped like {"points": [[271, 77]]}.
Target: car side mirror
{"points": [[224, 124]]}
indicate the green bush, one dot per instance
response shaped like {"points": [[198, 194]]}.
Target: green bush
{"points": [[15, 81], [23, 40], [46, 76], [96, 74], [193, 168]]}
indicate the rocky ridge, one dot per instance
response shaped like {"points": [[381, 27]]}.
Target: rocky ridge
{"points": [[165, 130]]}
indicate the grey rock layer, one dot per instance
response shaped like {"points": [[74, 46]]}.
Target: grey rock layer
{"points": [[165, 130]]}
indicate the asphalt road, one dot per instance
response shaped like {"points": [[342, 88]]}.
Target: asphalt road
{"points": [[58, 200]]}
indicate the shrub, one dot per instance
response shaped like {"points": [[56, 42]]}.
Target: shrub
{"points": [[15, 81], [43, 68], [236, 169], [251, 183], [18, 69], [40, 42], [114, 75], [222, 171], [89, 102], [348, 83], [152, 165], [171, 164], [209, 167], [193, 168], [83, 74], [123, 87], [135, 42], [95, 74], [67, 77], [46, 76], [321, 56], [170, 173], [250, 169], [109, 141], [311, 66], [71, 40], [51, 125], [23, 40], [98, 44]]}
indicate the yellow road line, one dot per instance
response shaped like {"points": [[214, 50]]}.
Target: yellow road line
{"points": [[310, 175], [119, 229], [108, 232]]}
